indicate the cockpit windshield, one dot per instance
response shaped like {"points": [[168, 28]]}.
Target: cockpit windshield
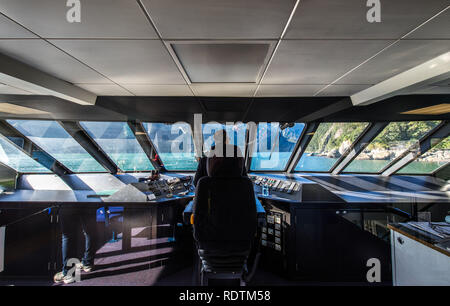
{"points": [[117, 140], [329, 143], [271, 150], [236, 134], [394, 140], [174, 144], [274, 145], [52, 138], [432, 160], [12, 156]]}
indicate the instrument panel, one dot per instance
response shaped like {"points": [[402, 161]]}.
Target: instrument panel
{"points": [[165, 187], [277, 188], [276, 184]]}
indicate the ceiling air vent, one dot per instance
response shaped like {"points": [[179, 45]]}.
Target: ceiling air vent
{"points": [[222, 62]]}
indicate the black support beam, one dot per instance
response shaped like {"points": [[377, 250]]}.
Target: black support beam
{"points": [[360, 145], [144, 141], [426, 143], [8, 131], [89, 145], [301, 145]]}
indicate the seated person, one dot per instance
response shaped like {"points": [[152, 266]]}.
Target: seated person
{"points": [[224, 206], [222, 147]]}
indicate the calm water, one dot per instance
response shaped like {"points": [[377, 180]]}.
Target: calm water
{"points": [[321, 163]]}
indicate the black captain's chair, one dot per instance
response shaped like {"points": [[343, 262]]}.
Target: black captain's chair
{"points": [[225, 221]]}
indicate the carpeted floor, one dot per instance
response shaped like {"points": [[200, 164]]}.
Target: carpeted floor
{"points": [[149, 262]]}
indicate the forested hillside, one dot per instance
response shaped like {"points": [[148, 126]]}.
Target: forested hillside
{"points": [[333, 139]]}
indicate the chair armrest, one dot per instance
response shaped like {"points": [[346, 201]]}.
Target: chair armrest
{"points": [[188, 212], [260, 213]]}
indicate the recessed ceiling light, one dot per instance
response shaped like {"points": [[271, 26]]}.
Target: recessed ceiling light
{"points": [[19, 110], [439, 109]]}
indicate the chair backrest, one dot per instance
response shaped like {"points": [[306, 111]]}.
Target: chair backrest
{"points": [[224, 207]]}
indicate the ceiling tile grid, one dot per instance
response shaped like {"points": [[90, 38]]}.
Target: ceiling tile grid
{"points": [[45, 57], [218, 19], [105, 89], [121, 48], [402, 56], [318, 61], [126, 61], [158, 90], [98, 19], [9, 29], [331, 19]]}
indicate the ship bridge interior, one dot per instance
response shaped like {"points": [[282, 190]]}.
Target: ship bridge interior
{"points": [[108, 107]]}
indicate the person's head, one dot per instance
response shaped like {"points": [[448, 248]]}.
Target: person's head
{"points": [[221, 137]]}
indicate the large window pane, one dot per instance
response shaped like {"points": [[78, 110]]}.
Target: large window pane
{"points": [[53, 139], [174, 144], [427, 163], [274, 146], [235, 132], [118, 141], [37, 154], [394, 140], [15, 158], [329, 142]]}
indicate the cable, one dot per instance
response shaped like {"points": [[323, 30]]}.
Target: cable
{"points": [[34, 214]]}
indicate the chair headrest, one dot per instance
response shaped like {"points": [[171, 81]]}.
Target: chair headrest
{"points": [[225, 166]]}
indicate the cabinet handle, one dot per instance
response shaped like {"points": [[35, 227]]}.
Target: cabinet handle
{"points": [[400, 240]]}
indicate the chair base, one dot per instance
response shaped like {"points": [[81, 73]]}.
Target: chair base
{"points": [[222, 279]]}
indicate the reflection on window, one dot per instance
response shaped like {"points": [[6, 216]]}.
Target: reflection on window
{"points": [[174, 144], [118, 141], [329, 142], [18, 141], [53, 139], [42, 157], [394, 140], [236, 135], [15, 158], [427, 163], [274, 146]]}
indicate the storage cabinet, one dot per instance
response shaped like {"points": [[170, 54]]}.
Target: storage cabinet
{"points": [[416, 264]]}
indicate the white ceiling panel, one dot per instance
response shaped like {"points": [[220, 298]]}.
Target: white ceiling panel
{"points": [[402, 56], [99, 18], [342, 90], [126, 61], [45, 57], [158, 90], [218, 19], [318, 61], [10, 29], [287, 90], [105, 89], [438, 28], [223, 62], [9, 90], [326, 19], [224, 90]]}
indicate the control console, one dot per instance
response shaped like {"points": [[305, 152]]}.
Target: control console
{"points": [[165, 187], [277, 188]]}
